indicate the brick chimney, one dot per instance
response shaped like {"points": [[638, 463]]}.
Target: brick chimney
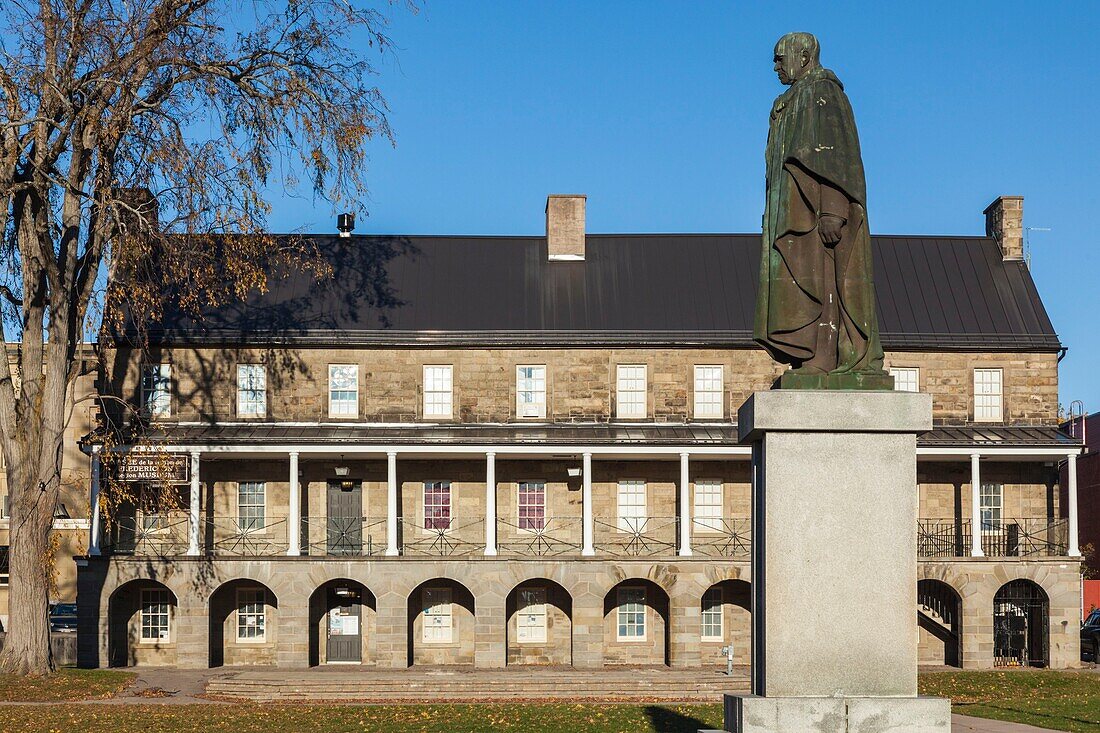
{"points": [[1004, 221], [565, 225]]}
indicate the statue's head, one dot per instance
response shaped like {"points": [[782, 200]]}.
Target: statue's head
{"points": [[796, 54]]}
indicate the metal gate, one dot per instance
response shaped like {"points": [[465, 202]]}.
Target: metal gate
{"points": [[1021, 618]]}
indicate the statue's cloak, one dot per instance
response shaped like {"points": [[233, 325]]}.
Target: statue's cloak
{"points": [[813, 167]]}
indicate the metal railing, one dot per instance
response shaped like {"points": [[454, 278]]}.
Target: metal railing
{"points": [[1030, 537], [343, 536], [636, 536], [231, 537], [722, 537], [546, 537], [442, 537], [161, 535]]}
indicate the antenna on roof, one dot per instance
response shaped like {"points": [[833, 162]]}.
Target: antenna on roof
{"points": [[1027, 241], [345, 224]]}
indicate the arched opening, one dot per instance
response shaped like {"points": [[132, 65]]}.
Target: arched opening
{"points": [[1021, 624], [539, 624], [441, 624], [342, 616], [726, 621], [243, 624], [636, 616], [141, 624], [939, 623]]}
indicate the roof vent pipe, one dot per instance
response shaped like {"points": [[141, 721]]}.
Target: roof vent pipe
{"points": [[345, 224]]}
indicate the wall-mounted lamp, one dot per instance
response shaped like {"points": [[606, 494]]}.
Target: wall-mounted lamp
{"points": [[573, 472], [342, 470]]}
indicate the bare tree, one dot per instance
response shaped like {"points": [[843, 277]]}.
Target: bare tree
{"points": [[203, 103]]}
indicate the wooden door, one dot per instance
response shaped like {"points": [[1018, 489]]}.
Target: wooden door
{"points": [[345, 518]]}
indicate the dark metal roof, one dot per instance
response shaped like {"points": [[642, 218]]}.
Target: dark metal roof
{"points": [[563, 434], [934, 293]]}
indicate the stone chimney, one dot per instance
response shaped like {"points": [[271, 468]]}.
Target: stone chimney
{"points": [[565, 225], [1004, 221]]}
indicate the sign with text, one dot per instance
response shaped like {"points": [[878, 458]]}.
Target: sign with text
{"points": [[154, 467]]}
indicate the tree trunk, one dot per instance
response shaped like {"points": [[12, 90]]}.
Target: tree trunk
{"points": [[27, 643]]}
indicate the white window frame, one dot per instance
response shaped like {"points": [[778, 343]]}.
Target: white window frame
{"points": [[904, 377], [703, 512], [530, 398], [633, 514], [248, 599], [163, 597], [628, 406], [251, 399], [991, 503], [622, 600], [344, 407], [436, 604], [156, 389], [438, 391], [711, 607], [531, 616], [989, 401], [250, 524], [450, 518], [709, 401]]}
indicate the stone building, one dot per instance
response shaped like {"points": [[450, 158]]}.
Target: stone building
{"points": [[498, 451]]}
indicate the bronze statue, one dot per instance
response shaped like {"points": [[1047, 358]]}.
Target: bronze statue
{"points": [[816, 302]]}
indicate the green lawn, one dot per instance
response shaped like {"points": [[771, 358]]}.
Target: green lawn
{"points": [[1056, 700], [66, 685]]}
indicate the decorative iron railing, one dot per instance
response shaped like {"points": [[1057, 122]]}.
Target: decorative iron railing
{"points": [[636, 536], [1030, 537], [539, 537], [232, 537], [442, 537], [160, 535], [722, 537], [343, 536]]}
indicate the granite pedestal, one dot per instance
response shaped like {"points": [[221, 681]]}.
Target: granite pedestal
{"points": [[834, 564]]}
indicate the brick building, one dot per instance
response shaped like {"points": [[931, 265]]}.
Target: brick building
{"points": [[497, 451]]}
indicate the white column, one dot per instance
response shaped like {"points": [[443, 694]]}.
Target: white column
{"points": [[975, 506], [294, 516], [586, 507], [685, 508], [1071, 491], [490, 503], [391, 505], [196, 506], [93, 505]]}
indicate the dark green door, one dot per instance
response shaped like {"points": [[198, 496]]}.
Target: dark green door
{"points": [[345, 518], [345, 628]]}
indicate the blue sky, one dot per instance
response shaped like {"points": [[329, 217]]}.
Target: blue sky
{"points": [[658, 112]]}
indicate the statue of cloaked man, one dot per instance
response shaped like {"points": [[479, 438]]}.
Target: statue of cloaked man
{"points": [[816, 303]]}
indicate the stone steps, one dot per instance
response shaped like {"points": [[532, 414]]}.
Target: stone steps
{"points": [[389, 686]]}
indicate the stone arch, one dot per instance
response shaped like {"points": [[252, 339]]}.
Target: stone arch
{"points": [[441, 623], [342, 623], [141, 624], [726, 608], [543, 634], [636, 623], [939, 622], [1021, 625], [243, 618]]}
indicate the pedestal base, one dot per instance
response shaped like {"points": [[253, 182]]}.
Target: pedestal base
{"points": [[752, 714]]}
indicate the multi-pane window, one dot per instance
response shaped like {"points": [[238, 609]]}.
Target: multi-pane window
{"points": [[531, 391], [906, 379], [343, 390], [438, 398], [988, 395], [532, 505], [708, 392], [251, 614], [156, 390], [437, 505], [708, 505], [630, 391], [631, 614], [531, 617], [156, 615], [992, 499], [4, 565], [250, 505], [438, 618], [251, 390], [151, 522], [632, 506], [712, 614]]}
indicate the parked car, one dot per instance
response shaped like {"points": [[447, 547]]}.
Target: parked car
{"points": [[63, 617], [1090, 637]]}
